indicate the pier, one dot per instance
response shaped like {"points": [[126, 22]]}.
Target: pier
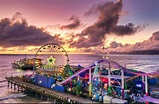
{"points": [[105, 81], [16, 83]]}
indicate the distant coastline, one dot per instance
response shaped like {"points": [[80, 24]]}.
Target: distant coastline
{"points": [[141, 52]]}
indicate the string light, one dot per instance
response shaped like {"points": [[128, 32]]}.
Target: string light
{"points": [[69, 89], [40, 81], [53, 85]]}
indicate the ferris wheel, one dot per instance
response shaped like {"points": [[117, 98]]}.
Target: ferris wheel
{"points": [[52, 55]]}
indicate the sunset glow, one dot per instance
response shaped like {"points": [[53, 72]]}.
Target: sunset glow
{"points": [[83, 26]]}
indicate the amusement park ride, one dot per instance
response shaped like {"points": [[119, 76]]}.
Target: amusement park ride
{"points": [[105, 78]]}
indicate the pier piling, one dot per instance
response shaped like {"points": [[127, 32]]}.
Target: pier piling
{"points": [[18, 88], [8, 83], [11, 85], [54, 101]]}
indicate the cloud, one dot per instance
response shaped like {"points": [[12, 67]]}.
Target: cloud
{"points": [[128, 29], [15, 31], [155, 36], [114, 44], [151, 44], [74, 25], [96, 32], [95, 37], [108, 16]]}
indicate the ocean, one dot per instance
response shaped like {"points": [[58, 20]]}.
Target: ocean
{"points": [[145, 63]]}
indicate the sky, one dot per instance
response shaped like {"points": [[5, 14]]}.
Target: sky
{"points": [[80, 26]]}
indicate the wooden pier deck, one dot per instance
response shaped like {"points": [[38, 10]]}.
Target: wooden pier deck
{"points": [[48, 92]]}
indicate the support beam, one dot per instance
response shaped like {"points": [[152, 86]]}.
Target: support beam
{"points": [[90, 83], [109, 79], [143, 81], [18, 88], [11, 85], [146, 86], [54, 101], [100, 67], [78, 77], [14, 86], [8, 83], [22, 89], [122, 82], [48, 99]]}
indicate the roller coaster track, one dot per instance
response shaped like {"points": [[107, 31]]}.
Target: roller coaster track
{"points": [[131, 78], [115, 65]]}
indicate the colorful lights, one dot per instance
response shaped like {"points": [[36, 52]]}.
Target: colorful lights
{"points": [[69, 89], [94, 96], [53, 85], [40, 82]]}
